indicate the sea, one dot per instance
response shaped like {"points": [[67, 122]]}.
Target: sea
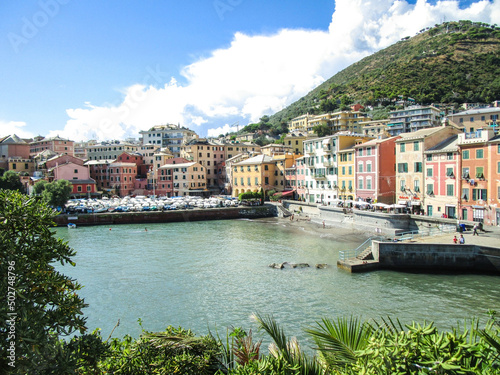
{"points": [[211, 276]]}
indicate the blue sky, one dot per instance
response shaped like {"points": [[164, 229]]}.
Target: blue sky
{"points": [[107, 69]]}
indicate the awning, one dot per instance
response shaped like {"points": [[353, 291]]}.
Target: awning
{"points": [[284, 193], [415, 203], [478, 207]]}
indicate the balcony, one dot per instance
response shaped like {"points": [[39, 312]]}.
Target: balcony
{"points": [[328, 163], [319, 176]]}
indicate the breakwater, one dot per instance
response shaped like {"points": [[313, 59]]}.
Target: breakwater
{"points": [[436, 257], [111, 218]]}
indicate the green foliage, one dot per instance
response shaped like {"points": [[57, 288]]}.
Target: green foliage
{"points": [[57, 193], [322, 130], [454, 62], [43, 300], [251, 195], [39, 187], [10, 180], [174, 351]]}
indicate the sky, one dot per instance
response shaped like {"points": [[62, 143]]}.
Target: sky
{"points": [[105, 70]]}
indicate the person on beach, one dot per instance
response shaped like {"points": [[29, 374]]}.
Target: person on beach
{"points": [[462, 239], [455, 239]]}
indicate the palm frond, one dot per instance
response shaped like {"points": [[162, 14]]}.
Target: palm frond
{"points": [[339, 340]]}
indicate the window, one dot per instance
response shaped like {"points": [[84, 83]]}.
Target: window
{"points": [[368, 151], [465, 173], [360, 152], [465, 154], [402, 147], [416, 186], [479, 172], [266, 179], [256, 181], [465, 194], [498, 167], [79, 188], [360, 167], [266, 168], [350, 170], [360, 183], [479, 154], [249, 181], [479, 194], [429, 172], [369, 183], [418, 166], [428, 157], [449, 172], [430, 189], [402, 167], [449, 156], [242, 180], [343, 171], [368, 166], [402, 185], [416, 146], [450, 190]]}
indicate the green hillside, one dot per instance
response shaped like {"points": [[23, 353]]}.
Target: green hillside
{"points": [[454, 62]]}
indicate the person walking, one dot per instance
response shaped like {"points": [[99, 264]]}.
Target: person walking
{"points": [[475, 230]]}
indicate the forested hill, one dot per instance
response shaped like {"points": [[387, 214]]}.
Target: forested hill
{"points": [[454, 62]]}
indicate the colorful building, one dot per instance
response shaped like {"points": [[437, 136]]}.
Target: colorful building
{"points": [[181, 177], [375, 170], [480, 173], [411, 163], [56, 144], [442, 179]]}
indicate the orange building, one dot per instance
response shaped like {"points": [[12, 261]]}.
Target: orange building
{"points": [[480, 173]]}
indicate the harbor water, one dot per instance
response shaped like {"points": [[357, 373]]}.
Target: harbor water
{"points": [[212, 275]]}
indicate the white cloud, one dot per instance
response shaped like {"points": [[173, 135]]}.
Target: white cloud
{"points": [[15, 127], [262, 74], [215, 132]]}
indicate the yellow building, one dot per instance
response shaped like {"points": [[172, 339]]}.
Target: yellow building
{"points": [[346, 185], [260, 172], [300, 123], [339, 121], [21, 165], [296, 142]]}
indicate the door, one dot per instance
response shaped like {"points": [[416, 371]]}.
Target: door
{"points": [[429, 210]]}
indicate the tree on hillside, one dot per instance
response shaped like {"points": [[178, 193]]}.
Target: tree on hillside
{"points": [[57, 193], [40, 302], [11, 181], [322, 130]]}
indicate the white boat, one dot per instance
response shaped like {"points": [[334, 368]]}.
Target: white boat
{"points": [[71, 226]]}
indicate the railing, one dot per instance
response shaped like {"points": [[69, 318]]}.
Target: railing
{"points": [[348, 254], [432, 231]]}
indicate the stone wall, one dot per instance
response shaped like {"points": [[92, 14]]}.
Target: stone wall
{"points": [[247, 212], [436, 257], [372, 222]]}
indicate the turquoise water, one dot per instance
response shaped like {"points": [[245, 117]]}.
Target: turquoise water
{"points": [[215, 274]]}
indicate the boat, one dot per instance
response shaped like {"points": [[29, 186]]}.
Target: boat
{"points": [[71, 226]]}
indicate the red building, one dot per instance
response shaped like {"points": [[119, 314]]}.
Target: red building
{"points": [[379, 173]]}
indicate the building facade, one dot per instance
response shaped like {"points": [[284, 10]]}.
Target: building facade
{"points": [[376, 171]]}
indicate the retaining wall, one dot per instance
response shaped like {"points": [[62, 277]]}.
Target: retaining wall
{"points": [[250, 212], [436, 257]]}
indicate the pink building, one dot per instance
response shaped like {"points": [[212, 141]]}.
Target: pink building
{"points": [[300, 175], [77, 175], [379, 174]]}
